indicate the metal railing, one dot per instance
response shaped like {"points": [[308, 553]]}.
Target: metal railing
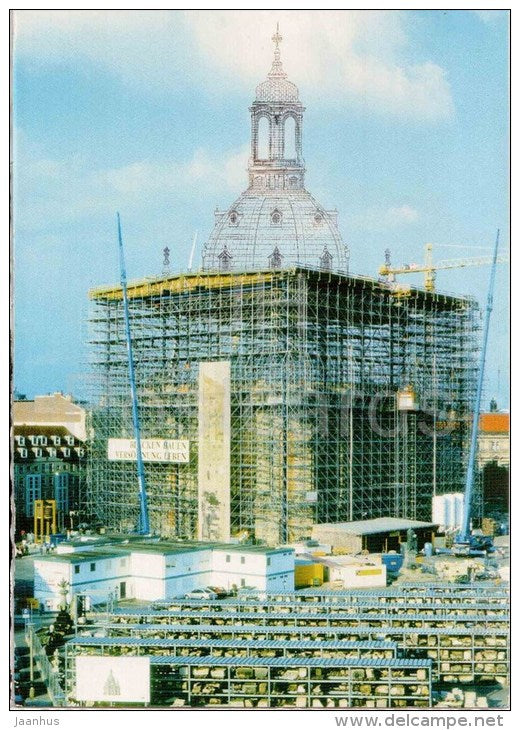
{"points": [[48, 673]]}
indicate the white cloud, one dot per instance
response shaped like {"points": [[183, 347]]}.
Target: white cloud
{"points": [[401, 215], [364, 56], [490, 16], [382, 218], [355, 53], [67, 190], [138, 46], [202, 171]]}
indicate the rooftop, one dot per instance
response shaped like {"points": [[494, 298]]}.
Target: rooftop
{"points": [[182, 283], [79, 557], [494, 422], [378, 524], [227, 643], [262, 630], [136, 543], [262, 618]]}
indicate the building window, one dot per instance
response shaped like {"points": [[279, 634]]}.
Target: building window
{"points": [[41, 440], [242, 582], [92, 567], [275, 259], [268, 561], [318, 218], [66, 452], [61, 492], [262, 139], [81, 452], [289, 151], [56, 440], [37, 452], [20, 440], [122, 562], [224, 259], [276, 217], [23, 453], [326, 260], [70, 440], [233, 218], [228, 558], [33, 490], [242, 560], [52, 451], [76, 569]]}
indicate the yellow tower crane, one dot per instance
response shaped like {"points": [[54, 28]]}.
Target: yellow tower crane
{"points": [[430, 269]]}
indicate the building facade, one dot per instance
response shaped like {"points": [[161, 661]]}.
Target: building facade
{"points": [[305, 394], [158, 571], [49, 458], [493, 459]]}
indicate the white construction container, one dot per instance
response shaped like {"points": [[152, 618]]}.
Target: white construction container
{"points": [[447, 510]]}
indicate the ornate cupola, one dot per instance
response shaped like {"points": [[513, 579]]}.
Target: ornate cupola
{"points": [[276, 222], [276, 130]]}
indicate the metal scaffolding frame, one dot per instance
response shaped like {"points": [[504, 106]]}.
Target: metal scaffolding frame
{"points": [[317, 362]]}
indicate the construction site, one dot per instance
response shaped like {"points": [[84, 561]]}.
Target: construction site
{"points": [[323, 426], [421, 646], [299, 442]]}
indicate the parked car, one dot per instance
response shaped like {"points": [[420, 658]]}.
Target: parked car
{"points": [[202, 593], [221, 592]]}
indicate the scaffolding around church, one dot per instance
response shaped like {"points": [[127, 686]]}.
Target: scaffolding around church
{"points": [[348, 401]]}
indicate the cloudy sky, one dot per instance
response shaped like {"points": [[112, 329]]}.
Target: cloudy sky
{"points": [[146, 112]]}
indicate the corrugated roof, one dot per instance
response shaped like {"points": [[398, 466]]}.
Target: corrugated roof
{"points": [[130, 613], [494, 422], [377, 525], [475, 595], [252, 661], [230, 643], [292, 629], [325, 607]]}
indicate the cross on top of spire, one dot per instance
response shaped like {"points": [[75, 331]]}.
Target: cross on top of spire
{"points": [[277, 39], [276, 68]]}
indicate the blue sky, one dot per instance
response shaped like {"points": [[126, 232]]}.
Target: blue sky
{"points": [[146, 112]]}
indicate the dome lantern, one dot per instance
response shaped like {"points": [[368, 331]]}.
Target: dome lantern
{"points": [[276, 219]]}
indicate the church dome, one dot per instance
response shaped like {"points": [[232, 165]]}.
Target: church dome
{"points": [[276, 223], [275, 229], [276, 88]]}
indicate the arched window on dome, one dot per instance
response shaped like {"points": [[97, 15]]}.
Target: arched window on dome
{"points": [[224, 259], [233, 218], [289, 140], [276, 217], [262, 139], [275, 259], [326, 260]]}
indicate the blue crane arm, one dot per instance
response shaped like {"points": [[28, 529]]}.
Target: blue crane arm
{"points": [[464, 534], [144, 521]]}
